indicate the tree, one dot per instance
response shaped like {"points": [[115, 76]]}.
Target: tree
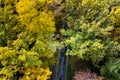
{"points": [[115, 17], [89, 29], [27, 45]]}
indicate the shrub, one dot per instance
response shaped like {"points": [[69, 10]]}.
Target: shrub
{"points": [[86, 75]]}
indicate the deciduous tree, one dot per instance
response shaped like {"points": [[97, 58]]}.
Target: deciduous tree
{"points": [[27, 45]]}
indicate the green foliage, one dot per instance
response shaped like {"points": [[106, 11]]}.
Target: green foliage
{"points": [[93, 33], [111, 70], [90, 26]]}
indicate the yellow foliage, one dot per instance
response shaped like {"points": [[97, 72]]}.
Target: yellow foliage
{"points": [[31, 25], [115, 14], [98, 45], [26, 10], [37, 73], [85, 2], [9, 1], [49, 1], [36, 21], [6, 52], [22, 57], [116, 34], [115, 17], [41, 1]]}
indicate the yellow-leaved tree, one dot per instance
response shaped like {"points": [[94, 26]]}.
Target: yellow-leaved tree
{"points": [[27, 45], [115, 18]]}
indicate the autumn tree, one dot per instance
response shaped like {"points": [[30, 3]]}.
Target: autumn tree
{"points": [[115, 17], [27, 45]]}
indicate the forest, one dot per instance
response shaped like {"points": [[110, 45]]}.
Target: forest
{"points": [[59, 39]]}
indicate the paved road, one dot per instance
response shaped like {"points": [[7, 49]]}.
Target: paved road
{"points": [[62, 65]]}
